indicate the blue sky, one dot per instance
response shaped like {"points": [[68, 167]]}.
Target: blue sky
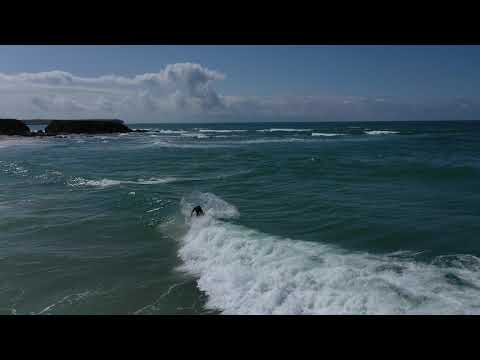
{"points": [[323, 82]]}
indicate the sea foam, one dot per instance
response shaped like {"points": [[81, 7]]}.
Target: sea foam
{"points": [[380, 132], [220, 131], [162, 131], [103, 183], [244, 271], [283, 129], [326, 134]]}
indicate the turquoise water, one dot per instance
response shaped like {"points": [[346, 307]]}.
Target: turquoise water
{"points": [[302, 218]]}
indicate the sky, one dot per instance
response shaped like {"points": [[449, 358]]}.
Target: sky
{"points": [[241, 83]]}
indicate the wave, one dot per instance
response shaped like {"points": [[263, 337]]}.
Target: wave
{"points": [[69, 299], [162, 131], [198, 136], [13, 168], [326, 134], [188, 146], [281, 129], [380, 132], [103, 183], [79, 181], [220, 131], [11, 141], [244, 271], [266, 141], [223, 144]]}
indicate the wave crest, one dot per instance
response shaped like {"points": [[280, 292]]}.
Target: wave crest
{"points": [[380, 132], [283, 129], [103, 183], [326, 134]]}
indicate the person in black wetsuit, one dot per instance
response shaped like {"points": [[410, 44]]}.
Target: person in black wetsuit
{"points": [[198, 211]]}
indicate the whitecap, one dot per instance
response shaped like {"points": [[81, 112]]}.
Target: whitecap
{"points": [[195, 135], [266, 141], [380, 132], [221, 131], [174, 132], [326, 134], [169, 144], [103, 183], [283, 129]]}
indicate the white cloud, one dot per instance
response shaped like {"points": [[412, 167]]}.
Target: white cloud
{"points": [[187, 89], [184, 87]]}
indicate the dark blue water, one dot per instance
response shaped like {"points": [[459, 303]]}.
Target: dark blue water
{"points": [[302, 218]]}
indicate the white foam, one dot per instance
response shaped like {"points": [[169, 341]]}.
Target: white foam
{"points": [[326, 134], [103, 183], [10, 141], [195, 135], [162, 131], [153, 181], [13, 168], [266, 141], [380, 132], [244, 271], [99, 183], [220, 131], [187, 145], [282, 129], [220, 143], [69, 299]]}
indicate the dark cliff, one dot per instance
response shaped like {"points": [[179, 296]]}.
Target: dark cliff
{"points": [[13, 127]]}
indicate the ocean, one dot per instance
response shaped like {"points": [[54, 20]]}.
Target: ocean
{"points": [[301, 218]]}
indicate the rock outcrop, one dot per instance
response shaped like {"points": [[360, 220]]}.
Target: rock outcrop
{"points": [[13, 127], [57, 127]]}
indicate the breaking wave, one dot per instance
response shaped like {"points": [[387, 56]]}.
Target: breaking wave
{"points": [[380, 132], [198, 136], [326, 134], [244, 271], [169, 144], [103, 183], [220, 131], [281, 129], [162, 131], [266, 141]]}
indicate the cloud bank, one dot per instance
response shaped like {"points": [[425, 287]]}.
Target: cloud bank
{"points": [[186, 90]]}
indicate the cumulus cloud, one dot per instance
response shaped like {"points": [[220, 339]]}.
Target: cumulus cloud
{"points": [[184, 89]]}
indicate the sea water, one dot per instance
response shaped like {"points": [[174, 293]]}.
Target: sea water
{"points": [[301, 218]]}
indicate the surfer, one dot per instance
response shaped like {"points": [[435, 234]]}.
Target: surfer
{"points": [[198, 211]]}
